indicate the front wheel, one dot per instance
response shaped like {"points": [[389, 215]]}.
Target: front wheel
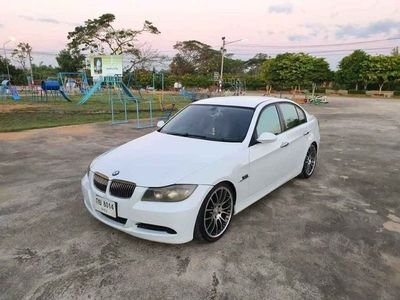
{"points": [[215, 214], [309, 162]]}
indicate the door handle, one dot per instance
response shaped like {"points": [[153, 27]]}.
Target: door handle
{"points": [[307, 133], [284, 144]]}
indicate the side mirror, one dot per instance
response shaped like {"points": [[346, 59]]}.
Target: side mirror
{"points": [[160, 124], [267, 137]]}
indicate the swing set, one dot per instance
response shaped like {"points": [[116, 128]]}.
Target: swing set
{"points": [[73, 82]]}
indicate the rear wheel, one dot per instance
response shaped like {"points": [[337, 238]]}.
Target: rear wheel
{"points": [[309, 162], [215, 214]]}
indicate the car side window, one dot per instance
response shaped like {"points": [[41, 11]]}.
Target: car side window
{"points": [[268, 121], [301, 114], [290, 117]]}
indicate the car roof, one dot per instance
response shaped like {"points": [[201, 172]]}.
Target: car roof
{"points": [[240, 101]]}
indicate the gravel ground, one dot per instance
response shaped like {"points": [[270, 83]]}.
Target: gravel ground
{"points": [[334, 236]]}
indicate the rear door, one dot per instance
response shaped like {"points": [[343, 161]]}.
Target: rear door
{"points": [[294, 136]]}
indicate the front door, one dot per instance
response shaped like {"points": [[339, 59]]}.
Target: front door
{"points": [[267, 160]]}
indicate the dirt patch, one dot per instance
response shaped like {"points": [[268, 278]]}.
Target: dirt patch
{"points": [[394, 218], [71, 130], [392, 261], [392, 226], [5, 108]]}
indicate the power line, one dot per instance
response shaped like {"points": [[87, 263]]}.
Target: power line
{"points": [[315, 45], [317, 52], [341, 50], [322, 51], [36, 52]]}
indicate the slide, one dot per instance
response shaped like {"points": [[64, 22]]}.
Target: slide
{"points": [[90, 92], [14, 93], [64, 95], [127, 91]]}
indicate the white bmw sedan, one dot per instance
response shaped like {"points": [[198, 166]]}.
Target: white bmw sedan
{"points": [[209, 162]]}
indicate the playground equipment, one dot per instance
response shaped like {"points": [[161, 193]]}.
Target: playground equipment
{"points": [[6, 88], [96, 86], [35, 89], [125, 97], [158, 79], [167, 109], [132, 81], [53, 85], [72, 81], [312, 98], [106, 71], [194, 96], [317, 99], [235, 87], [119, 93], [191, 95]]}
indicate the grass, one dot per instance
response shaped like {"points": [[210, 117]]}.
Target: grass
{"points": [[28, 114]]}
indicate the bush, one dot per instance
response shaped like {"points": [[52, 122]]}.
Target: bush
{"points": [[356, 92], [397, 93]]}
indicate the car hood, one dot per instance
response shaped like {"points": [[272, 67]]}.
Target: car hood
{"points": [[159, 159]]}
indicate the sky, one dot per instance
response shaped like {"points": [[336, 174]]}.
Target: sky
{"points": [[269, 27]]}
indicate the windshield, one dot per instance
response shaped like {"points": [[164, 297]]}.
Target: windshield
{"points": [[211, 122]]}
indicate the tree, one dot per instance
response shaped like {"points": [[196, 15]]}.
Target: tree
{"points": [[194, 57], [21, 54], [382, 69], [319, 71], [253, 65], [197, 57], [146, 58], [181, 66], [232, 66], [351, 68], [291, 70], [265, 72], [98, 36], [395, 51], [70, 61], [17, 75], [43, 71]]}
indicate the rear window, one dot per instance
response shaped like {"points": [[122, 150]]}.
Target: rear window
{"points": [[290, 116], [301, 114]]}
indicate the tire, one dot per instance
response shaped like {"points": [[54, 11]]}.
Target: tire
{"points": [[215, 214], [309, 162]]}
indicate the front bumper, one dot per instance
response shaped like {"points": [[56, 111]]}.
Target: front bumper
{"points": [[178, 216]]}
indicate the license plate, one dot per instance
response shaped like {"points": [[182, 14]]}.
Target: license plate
{"points": [[106, 207]]}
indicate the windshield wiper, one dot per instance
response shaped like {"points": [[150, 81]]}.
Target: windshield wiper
{"points": [[186, 134], [202, 137]]}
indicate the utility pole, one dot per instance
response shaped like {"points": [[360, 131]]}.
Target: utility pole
{"points": [[30, 64], [223, 50], [222, 64]]}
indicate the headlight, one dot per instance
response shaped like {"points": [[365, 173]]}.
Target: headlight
{"points": [[172, 193]]}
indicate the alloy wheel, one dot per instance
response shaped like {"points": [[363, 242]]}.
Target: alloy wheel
{"points": [[311, 160], [218, 212]]}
